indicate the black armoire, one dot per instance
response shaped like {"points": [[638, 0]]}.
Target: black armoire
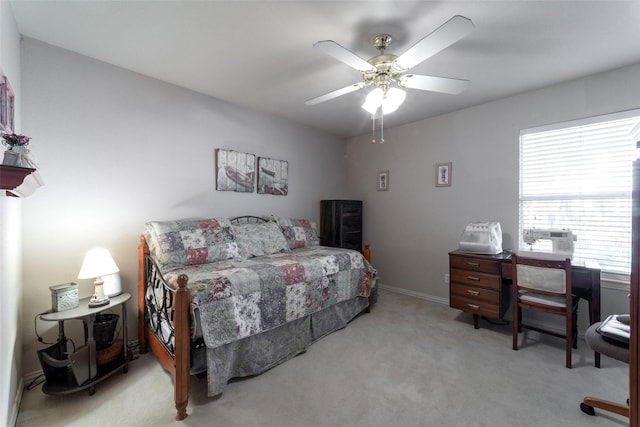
{"points": [[341, 224]]}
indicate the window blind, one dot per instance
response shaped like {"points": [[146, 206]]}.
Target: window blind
{"points": [[577, 175]]}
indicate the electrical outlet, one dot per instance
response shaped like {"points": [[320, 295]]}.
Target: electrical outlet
{"points": [[446, 279]]}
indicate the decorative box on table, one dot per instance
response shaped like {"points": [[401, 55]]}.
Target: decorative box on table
{"points": [[64, 297]]}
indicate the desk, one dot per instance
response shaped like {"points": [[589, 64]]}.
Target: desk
{"points": [[481, 285]]}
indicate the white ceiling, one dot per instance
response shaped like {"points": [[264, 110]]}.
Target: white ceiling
{"points": [[259, 54]]}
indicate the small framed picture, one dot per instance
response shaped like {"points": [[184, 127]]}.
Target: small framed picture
{"points": [[4, 104], [443, 174], [383, 180]]}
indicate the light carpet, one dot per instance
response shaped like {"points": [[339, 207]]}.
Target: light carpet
{"points": [[409, 362]]}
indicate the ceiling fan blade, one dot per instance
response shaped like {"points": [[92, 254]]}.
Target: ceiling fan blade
{"points": [[434, 84], [444, 36], [334, 94], [343, 55]]}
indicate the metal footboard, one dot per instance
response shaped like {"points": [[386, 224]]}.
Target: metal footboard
{"points": [[158, 304]]}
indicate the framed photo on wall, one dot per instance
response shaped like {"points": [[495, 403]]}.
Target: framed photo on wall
{"points": [[235, 171], [443, 174], [7, 101], [383, 180], [273, 176]]}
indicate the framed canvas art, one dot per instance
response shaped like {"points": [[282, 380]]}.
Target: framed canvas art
{"points": [[235, 171], [273, 176]]}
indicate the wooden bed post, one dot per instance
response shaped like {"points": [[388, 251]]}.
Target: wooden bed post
{"points": [[182, 347], [143, 249], [179, 365]]}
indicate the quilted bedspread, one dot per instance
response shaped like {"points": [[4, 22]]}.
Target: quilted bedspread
{"points": [[240, 298]]}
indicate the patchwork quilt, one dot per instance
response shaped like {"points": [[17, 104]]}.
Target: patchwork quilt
{"points": [[238, 298]]}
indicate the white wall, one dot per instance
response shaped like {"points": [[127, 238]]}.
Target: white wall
{"points": [[414, 225], [10, 244], [117, 149]]}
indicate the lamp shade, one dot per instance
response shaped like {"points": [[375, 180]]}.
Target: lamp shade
{"points": [[112, 285], [97, 263], [390, 100], [373, 101], [395, 96]]}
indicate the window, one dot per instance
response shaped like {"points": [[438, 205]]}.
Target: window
{"points": [[577, 175]]}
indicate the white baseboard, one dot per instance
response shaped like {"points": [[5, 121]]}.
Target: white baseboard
{"points": [[15, 408], [32, 376], [421, 295]]}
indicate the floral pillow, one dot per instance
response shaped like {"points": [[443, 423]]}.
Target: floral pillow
{"points": [[272, 239], [299, 232], [191, 242], [248, 240]]}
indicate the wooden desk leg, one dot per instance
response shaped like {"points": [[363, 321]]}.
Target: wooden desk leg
{"points": [[476, 320]]}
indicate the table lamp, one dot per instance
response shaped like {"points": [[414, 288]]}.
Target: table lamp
{"points": [[97, 263]]}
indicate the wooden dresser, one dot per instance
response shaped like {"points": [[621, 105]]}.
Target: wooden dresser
{"points": [[341, 224], [479, 284]]}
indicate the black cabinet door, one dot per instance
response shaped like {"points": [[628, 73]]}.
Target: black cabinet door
{"points": [[341, 224]]}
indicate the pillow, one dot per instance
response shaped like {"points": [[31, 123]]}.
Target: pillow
{"points": [[298, 232], [272, 239], [191, 242], [249, 243]]}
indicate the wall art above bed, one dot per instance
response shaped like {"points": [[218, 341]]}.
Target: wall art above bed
{"points": [[273, 176], [235, 171]]}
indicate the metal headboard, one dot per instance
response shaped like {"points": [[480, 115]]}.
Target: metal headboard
{"points": [[248, 219]]}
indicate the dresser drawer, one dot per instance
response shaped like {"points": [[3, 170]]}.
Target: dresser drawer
{"points": [[474, 278], [475, 306], [475, 264], [475, 293]]}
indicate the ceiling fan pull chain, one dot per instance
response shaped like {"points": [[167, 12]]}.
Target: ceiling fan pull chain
{"points": [[381, 127], [373, 129]]}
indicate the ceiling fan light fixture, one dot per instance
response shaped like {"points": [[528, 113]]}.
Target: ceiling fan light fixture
{"points": [[370, 108], [375, 97], [388, 107], [389, 101], [373, 100], [395, 96]]}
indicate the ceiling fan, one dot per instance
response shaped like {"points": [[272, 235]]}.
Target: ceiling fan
{"points": [[386, 71]]}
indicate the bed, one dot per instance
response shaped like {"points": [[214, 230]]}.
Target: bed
{"points": [[235, 297]]}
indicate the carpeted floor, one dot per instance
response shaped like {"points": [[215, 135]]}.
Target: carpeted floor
{"points": [[408, 363]]}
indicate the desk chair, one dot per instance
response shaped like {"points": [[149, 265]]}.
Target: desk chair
{"points": [[544, 285], [615, 350]]}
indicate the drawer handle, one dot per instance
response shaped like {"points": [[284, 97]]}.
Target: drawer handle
{"points": [[473, 264], [475, 307], [475, 279], [476, 293]]}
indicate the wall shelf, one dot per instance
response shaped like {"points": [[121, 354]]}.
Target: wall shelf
{"points": [[12, 177]]}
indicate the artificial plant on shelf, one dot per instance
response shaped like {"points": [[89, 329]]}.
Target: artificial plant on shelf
{"points": [[17, 154], [13, 140]]}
